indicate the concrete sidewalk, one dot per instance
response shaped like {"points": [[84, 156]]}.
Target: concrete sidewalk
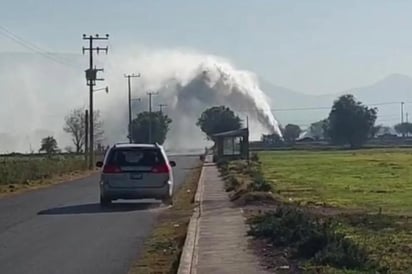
{"points": [[221, 245]]}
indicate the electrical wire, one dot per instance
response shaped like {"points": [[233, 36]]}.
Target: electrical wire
{"points": [[30, 46], [325, 108]]}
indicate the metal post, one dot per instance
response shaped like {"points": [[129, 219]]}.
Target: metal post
{"points": [[130, 110], [130, 104], [150, 114], [402, 103]]}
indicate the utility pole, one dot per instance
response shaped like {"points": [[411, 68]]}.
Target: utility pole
{"points": [[131, 121], [161, 106], [86, 134], [150, 93], [128, 76], [402, 103], [91, 77]]}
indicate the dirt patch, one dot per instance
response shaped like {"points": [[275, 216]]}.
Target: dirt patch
{"points": [[273, 259]]}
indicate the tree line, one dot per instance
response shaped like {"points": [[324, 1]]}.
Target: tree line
{"points": [[349, 122]]}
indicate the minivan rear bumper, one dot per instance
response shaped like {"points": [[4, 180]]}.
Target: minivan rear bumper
{"points": [[136, 192]]}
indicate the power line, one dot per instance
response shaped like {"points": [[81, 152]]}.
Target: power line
{"points": [[30, 46], [325, 108]]}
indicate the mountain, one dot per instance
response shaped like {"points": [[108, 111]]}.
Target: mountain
{"points": [[394, 88], [387, 94]]}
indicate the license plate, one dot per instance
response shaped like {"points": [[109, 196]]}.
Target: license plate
{"points": [[136, 176]]}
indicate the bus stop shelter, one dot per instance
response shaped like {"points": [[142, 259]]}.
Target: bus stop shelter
{"points": [[232, 145]]}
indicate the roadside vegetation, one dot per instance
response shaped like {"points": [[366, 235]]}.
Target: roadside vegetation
{"points": [[163, 248], [25, 172], [328, 212], [245, 182]]}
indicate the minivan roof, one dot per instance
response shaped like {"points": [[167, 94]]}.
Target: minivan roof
{"points": [[128, 145]]}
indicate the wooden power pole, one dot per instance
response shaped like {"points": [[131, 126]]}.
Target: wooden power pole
{"points": [[91, 77], [86, 135]]}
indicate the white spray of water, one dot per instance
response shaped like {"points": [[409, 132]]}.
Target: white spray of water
{"points": [[189, 83], [39, 94]]}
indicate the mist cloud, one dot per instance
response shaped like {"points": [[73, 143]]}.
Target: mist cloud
{"points": [[37, 94]]}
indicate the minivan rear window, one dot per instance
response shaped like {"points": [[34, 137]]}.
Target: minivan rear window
{"points": [[136, 157]]}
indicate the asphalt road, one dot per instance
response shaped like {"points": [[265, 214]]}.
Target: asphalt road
{"points": [[62, 229]]}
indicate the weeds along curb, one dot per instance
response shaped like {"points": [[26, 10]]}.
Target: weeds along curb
{"points": [[187, 258]]}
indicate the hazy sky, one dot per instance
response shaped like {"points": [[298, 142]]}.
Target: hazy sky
{"points": [[311, 46]]}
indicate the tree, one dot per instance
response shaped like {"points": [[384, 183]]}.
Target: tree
{"points": [[350, 122], [317, 130], [69, 149], [375, 130], [272, 139], [218, 119], [75, 126], [159, 125], [49, 145], [404, 128], [291, 133], [385, 130]]}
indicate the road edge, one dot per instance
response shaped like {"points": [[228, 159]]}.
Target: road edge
{"points": [[188, 257]]}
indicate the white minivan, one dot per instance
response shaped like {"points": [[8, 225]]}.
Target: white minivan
{"points": [[136, 171]]}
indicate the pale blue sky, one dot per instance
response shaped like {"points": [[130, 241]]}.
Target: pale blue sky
{"points": [[317, 46]]}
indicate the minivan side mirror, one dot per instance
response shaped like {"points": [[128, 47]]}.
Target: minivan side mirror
{"points": [[99, 164], [172, 163]]}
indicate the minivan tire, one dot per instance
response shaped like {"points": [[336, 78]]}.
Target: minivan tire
{"points": [[105, 201]]}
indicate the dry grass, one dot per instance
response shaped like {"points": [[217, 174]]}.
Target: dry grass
{"points": [[14, 189], [163, 249], [22, 173], [242, 182]]}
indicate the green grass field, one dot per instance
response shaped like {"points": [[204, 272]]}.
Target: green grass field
{"points": [[368, 180]]}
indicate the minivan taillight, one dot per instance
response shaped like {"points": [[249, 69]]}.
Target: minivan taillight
{"points": [[164, 168], [111, 169]]}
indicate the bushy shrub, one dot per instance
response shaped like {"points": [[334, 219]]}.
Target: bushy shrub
{"points": [[231, 183], [310, 238], [260, 184], [254, 157], [223, 166]]}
